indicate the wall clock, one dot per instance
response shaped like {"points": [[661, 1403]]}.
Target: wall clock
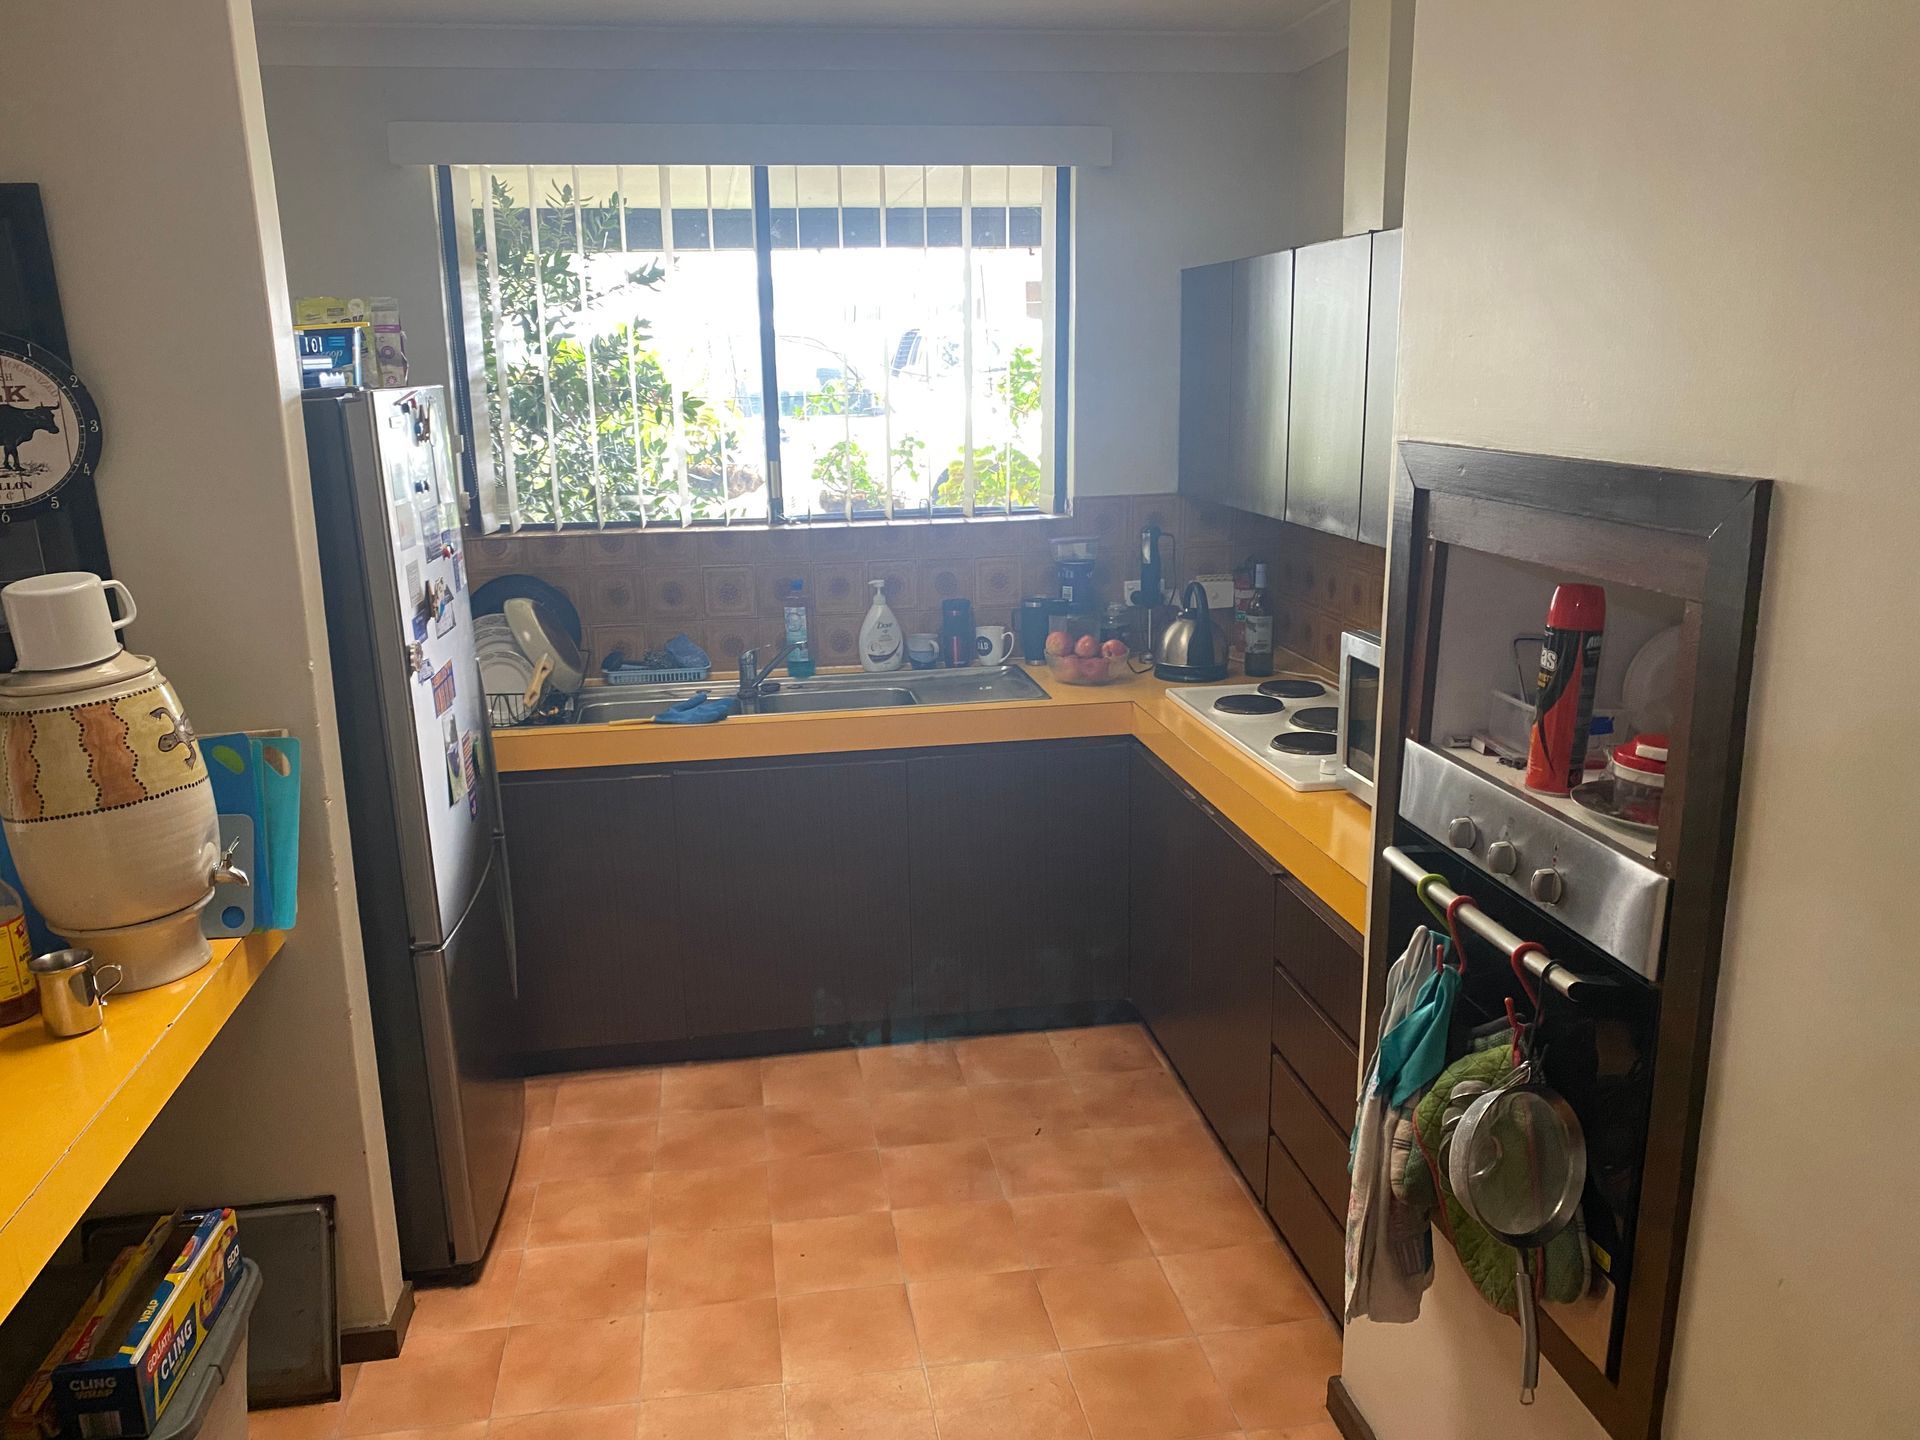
{"points": [[49, 430]]}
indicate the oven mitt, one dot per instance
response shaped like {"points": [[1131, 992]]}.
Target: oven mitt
{"points": [[697, 709], [1564, 1265]]}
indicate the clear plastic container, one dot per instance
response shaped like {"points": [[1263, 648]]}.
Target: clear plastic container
{"points": [[1639, 770], [1076, 654]]}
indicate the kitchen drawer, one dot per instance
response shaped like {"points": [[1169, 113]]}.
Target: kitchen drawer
{"points": [[1317, 1240], [1320, 954], [1317, 1145], [1319, 1054]]}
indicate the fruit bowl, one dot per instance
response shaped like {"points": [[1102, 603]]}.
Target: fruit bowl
{"points": [[1077, 656], [1088, 670]]}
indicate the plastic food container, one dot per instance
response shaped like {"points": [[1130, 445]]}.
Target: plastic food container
{"points": [[1639, 770], [1067, 641]]}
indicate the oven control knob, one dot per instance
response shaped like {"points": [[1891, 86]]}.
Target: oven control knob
{"points": [[1503, 857], [1462, 832], [1548, 885]]}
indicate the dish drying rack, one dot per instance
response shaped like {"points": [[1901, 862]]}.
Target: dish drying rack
{"points": [[508, 709]]}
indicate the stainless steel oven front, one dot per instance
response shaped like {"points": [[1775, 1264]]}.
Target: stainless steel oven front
{"points": [[1358, 734]]}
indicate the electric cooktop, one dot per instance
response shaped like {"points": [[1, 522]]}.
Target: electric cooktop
{"points": [[1285, 723]]}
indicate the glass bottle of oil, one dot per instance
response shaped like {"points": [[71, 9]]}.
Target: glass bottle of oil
{"points": [[19, 995]]}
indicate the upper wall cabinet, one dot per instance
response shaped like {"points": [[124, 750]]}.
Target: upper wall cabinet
{"points": [[1286, 383], [1383, 348], [1326, 419]]}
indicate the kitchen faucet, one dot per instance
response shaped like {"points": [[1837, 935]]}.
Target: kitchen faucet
{"points": [[753, 680]]}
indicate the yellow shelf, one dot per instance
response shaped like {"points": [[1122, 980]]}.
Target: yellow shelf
{"points": [[72, 1110], [1324, 838]]}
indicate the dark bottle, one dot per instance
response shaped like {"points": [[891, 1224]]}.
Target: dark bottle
{"points": [[1259, 654]]}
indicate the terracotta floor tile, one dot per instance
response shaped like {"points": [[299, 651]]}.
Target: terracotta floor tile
{"points": [[1127, 1098], [756, 1414], [861, 1407], [602, 1095], [486, 1304], [823, 1128], [469, 1430], [438, 1380], [1104, 1047], [1080, 1227], [1276, 1376], [570, 1366], [846, 1332], [591, 1210], [823, 1078], [530, 1165], [980, 1317], [709, 1267], [927, 1065], [721, 1199], [1111, 1304], [1319, 1430], [536, 1107], [1028, 1108], [1150, 1392], [819, 1186], [511, 1232], [305, 1422], [1238, 1288], [713, 1347], [1050, 1164], [581, 1282], [1160, 1154], [955, 1173], [709, 1139], [1031, 1398], [844, 1252], [606, 1422], [722, 1085], [1200, 1215], [924, 1117], [993, 1059], [600, 1147], [969, 1239]]}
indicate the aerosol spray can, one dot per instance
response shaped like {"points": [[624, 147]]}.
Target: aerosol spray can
{"points": [[1569, 666]]}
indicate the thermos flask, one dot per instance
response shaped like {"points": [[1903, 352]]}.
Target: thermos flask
{"points": [[1563, 701]]}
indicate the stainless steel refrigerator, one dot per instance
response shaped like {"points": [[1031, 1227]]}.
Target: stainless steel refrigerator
{"points": [[423, 805]]}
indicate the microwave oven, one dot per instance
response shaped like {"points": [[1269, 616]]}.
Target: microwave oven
{"points": [[1357, 736]]}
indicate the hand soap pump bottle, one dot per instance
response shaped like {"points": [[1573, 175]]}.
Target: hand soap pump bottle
{"points": [[882, 646]]}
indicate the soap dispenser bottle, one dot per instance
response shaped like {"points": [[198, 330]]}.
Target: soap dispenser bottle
{"points": [[882, 646]]}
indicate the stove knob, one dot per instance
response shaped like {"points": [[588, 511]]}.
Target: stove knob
{"points": [[1503, 858], [1462, 833], [1548, 885]]}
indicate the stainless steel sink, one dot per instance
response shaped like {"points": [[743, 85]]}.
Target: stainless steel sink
{"points": [[790, 702], [863, 691]]}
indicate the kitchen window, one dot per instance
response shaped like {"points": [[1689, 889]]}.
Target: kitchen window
{"points": [[679, 345]]}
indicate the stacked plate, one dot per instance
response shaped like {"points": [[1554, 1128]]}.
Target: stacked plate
{"points": [[505, 671]]}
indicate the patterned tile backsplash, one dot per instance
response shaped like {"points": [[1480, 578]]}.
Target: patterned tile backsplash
{"points": [[636, 589]]}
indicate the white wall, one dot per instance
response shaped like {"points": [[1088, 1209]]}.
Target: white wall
{"points": [[1205, 168], [1685, 235], [131, 113]]}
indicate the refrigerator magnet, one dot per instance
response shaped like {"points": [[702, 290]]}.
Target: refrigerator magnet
{"points": [[470, 770], [443, 688], [406, 531], [456, 768]]}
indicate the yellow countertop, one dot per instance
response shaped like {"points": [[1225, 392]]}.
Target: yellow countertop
{"points": [[1324, 838], [71, 1110]]}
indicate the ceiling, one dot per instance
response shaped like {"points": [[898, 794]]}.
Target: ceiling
{"points": [[1190, 16]]}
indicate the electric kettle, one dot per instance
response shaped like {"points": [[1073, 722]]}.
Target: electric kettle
{"points": [[1190, 648]]}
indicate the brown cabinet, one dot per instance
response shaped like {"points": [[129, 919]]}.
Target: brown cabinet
{"points": [[596, 901], [1017, 858], [1309, 1228], [1202, 932], [793, 895], [1322, 1058]]}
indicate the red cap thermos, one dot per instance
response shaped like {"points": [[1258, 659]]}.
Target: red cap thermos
{"points": [[1569, 665]]}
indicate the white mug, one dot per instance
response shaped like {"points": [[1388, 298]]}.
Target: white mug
{"points": [[992, 644], [62, 621]]}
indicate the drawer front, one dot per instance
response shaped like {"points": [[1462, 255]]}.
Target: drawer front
{"points": [[1319, 957], [1316, 1144], [1310, 1231], [1320, 1055]]}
